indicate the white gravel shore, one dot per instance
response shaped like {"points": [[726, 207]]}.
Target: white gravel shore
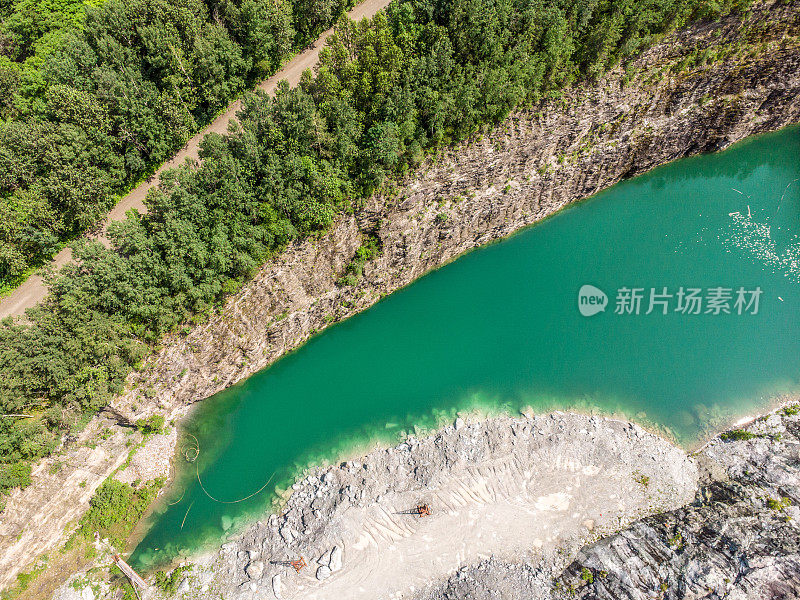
{"points": [[521, 489]]}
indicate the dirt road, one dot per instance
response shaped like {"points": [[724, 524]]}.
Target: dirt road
{"points": [[33, 290]]}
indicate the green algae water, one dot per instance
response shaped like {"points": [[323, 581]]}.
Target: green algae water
{"points": [[500, 329]]}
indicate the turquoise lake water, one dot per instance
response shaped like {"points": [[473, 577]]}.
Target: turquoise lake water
{"points": [[500, 329]]}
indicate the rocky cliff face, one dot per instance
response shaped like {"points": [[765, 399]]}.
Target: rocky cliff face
{"points": [[738, 539], [531, 166], [701, 89]]}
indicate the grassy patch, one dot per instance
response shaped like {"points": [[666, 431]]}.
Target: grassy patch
{"points": [[737, 435], [115, 509], [24, 580], [642, 480], [773, 504], [791, 410], [168, 583], [675, 541], [369, 249]]}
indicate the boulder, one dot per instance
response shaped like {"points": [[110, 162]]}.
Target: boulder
{"points": [[287, 534], [254, 569], [277, 587], [183, 586], [323, 572], [325, 559], [336, 559]]}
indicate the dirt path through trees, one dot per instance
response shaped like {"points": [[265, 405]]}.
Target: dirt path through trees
{"points": [[33, 290]]}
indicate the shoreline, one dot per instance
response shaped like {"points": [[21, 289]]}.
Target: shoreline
{"points": [[357, 448], [555, 447], [777, 404], [350, 507]]}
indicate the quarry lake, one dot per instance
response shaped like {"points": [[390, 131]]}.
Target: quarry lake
{"points": [[694, 271]]}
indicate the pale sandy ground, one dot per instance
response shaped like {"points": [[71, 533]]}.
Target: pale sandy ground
{"points": [[517, 489], [33, 290], [502, 510], [152, 460]]}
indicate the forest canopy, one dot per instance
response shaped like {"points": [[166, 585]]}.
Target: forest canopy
{"points": [[94, 95], [421, 75]]}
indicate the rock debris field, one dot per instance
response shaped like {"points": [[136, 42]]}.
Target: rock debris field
{"points": [[514, 489]]}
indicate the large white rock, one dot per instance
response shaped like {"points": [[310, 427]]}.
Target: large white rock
{"points": [[277, 587], [87, 594], [287, 534], [325, 559], [229, 547], [183, 586], [336, 559], [254, 569], [323, 572]]}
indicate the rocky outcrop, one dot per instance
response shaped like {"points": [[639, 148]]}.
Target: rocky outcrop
{"points": [[738, 539], [530, 489], [668, 103]]}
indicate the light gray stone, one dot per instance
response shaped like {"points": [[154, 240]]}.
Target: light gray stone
{"points": [[323, 572], [336, 559], [254, 569]]}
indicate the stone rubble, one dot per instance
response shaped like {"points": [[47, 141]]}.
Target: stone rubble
{"points": [[739, 539], [314, 510]]}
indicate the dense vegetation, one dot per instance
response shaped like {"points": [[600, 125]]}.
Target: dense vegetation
{"points": [[94, 94], [422, 75], [115, 509]]}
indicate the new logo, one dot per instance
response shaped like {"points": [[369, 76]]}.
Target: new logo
{"points": [[591, 300]]}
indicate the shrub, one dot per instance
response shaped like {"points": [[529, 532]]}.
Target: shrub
{"points": [[14, 475], [791, 410], [642, 480], [115, 508], [773, 504], [737, 435], [369, 249], [150, 425], [168, 583]]}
